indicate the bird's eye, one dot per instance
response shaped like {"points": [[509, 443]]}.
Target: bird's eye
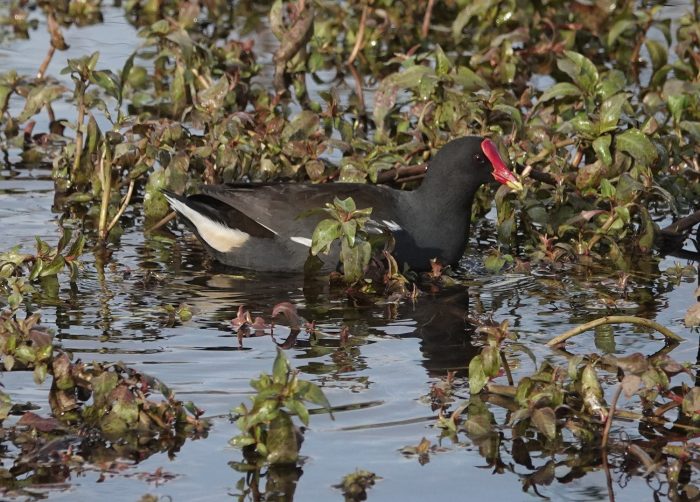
{"points": [[479, 157]]}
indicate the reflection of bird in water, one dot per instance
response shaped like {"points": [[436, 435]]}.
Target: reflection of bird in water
{"points": [[442, 326], [439, 318]]}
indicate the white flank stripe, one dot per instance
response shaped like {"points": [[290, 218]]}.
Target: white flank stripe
{"points": [[392, 225], [301, 240], [217, 235]]}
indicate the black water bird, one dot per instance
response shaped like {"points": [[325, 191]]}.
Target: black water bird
{"points": [[259, 228]]}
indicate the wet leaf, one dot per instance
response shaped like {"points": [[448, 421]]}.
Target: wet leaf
{"points": [[635, 143], [581, 70], [657, 53], [325, 233], [619, 28], [280, 368], [355, 485], [282, 445], [5, 92], [355, 259], [630, 385], [560, 90], [469, 80], [490, 361], [610, 111], [601, 145], [349, 230], [692, 127], [691, 403], [309, 391], [212, 98], [108, 81], [545, 421], [34, 421], [477, 375], [39, 97], [692, 316]]}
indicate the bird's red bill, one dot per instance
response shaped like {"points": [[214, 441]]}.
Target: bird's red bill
{"points": [[500, 172]]}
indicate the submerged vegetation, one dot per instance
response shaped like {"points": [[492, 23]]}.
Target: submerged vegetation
{"points": [[597, 104]]}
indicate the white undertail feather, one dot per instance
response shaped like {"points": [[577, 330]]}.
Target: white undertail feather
{"points": [[217, 235], [392, 225], [301, 240]]}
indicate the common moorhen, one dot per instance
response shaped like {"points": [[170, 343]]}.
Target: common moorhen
{"points": [[259, 227]]}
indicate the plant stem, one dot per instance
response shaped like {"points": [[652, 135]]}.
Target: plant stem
{"points": [[45, 63], [125, 203], [106, 175], [79, 129], [506, 367], [426, 19], [615, 319], [608, 478], [162, 222], [603, 230], [360, 35], [608, 422]]}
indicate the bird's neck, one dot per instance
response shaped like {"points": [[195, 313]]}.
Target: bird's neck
{"points": [[447, 214]]}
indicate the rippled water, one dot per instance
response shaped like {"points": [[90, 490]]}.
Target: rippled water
{"points": [[377, 385]]}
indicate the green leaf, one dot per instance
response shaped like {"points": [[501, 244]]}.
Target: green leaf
{"points": [[618, 29], [442, 63], [345, 205], [657, 53], [490, 361], [637, 145], [309, 391], [560, 90], [325, 233], [355, 259], [280, 368], [349, 231], [410, 78], [601, 146], [494, 262], [212, 98], [102, 385], [610, 111], [623, 213], [589, 381], [511, 111], [572, 368], [298, 407], [25, 354], [472, 9], [647, 231], [282, 445], [693, 128], [8, 361], [607, 190], [5, 92], [477, 376], [66, 236], [584, 126], [611, 83], [691, 403], [184, 42], [108, 81], [54, 267], [546, 421], [38, 97], [40, 372], [36, 269], [178, 92], [581, 70], [469, 80], [76, 248]]}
